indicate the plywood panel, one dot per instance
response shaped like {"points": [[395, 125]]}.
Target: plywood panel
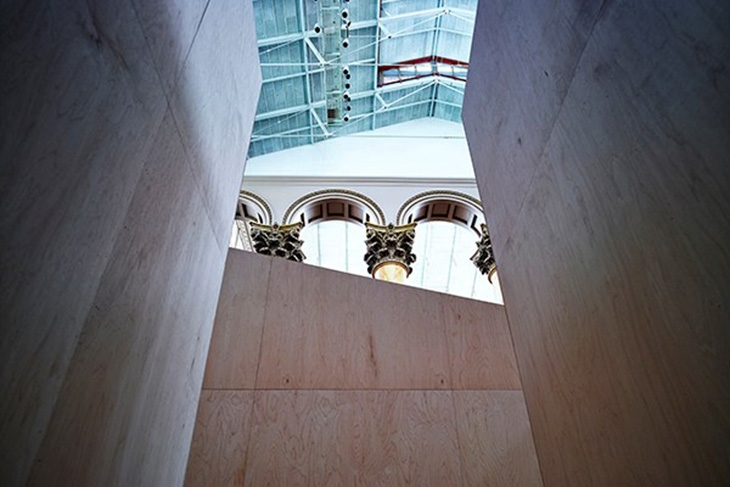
{"points": [[616, 274], [339, 438], [109, 265], [495, 439], [234, 348], [214, 105], [326, 329], [320, 340], [220, 441], [170, 27], [521, 65], [320, 331], [480, 347], [125, 413], [81, 104]]}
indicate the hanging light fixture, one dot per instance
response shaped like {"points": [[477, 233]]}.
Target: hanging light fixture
{"points": [[391, 272]]}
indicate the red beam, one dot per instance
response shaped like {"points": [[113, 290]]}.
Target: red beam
{"points": [[430, 60]]}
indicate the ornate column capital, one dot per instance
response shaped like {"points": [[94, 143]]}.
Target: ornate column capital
{"points": [[279, 240], [483, 258], [389, 244]]}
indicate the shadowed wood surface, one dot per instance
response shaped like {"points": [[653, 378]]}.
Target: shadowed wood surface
{"points": [[496, 441], [523, 57], [141, 348], [124, 130], [615, 261], [77, 125]]}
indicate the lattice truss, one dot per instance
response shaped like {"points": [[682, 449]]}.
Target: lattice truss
{"points": [[336, 67]]}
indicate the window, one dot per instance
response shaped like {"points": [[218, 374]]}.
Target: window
{"points": [[443, 251], [335, 244]]}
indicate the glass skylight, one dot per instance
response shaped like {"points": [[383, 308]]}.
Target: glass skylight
{"points": [[385, 46]]}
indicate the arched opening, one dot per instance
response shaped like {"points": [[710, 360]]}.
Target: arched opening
{"points": [[443, 250], [335, 244], [450, 206], [249, 208], [449, 226], [334, 204], [334, 231]]}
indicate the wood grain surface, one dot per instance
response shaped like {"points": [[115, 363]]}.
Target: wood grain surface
{"points": [[495, 439], [341, 438], [481, 355], [326, 329], [337, 400], [234, 348], [323, 329], [334, 438], [615, 267], [220, 442]]}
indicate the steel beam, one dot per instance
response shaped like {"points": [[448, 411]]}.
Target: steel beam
{"points": [[434, 50], [320, 123], [289, 111], [307, 90], [289, 134], [285, 77], [378, 31], [315, 51]]}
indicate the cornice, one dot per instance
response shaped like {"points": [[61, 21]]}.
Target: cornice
{"points": [[340, 181]]}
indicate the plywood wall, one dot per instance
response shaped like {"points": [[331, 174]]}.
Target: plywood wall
{"points": [[316, 377], [124, 127], [599, 133]]}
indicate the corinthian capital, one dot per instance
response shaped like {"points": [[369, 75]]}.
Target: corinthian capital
{"points": [[279, 240], [483, 258], [389, 245]]}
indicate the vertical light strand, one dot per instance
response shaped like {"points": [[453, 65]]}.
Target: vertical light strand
{"points": [[319, 246]]}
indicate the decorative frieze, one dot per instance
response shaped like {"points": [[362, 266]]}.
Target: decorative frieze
{"points": [[279, 240], [483, 258], [389, 244], [243, 235]]}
